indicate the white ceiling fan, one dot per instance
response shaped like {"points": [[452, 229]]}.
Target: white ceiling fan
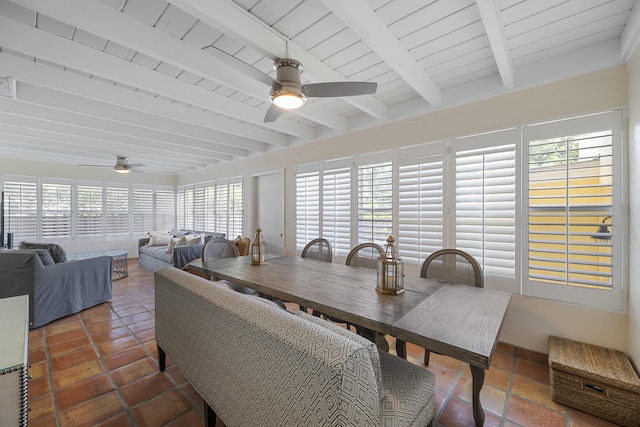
{"points": [[122, 165], [287, 91]]}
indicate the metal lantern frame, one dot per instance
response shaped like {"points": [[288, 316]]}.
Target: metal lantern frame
{"points": [[258, 249], [390, 271]]}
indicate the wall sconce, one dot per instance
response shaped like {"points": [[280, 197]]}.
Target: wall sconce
{"points": [[603, 235], [390, 271], [258, 249]]}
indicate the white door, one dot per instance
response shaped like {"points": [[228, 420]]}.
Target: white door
{"points": [[269, 197]]}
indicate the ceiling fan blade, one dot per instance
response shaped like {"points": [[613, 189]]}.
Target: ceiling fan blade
{"points": [[272, 114], [340, 89], [136, 165], [97, 166], [243, 67]]}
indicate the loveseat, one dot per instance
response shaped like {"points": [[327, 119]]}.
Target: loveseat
{"points": [[256, 364], [55, 289], [154, 253]]}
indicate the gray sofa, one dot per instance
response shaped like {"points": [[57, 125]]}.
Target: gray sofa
{"points": [[256, 364], [154, 258], [55, 289]]}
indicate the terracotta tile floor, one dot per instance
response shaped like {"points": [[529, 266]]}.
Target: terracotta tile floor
{"points": [[99, 368]]}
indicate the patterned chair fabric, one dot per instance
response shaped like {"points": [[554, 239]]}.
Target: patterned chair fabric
{"points": [[255, 364]]}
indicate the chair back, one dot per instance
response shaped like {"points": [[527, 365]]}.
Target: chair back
{"points": [[319, 249], [453, 266], [365, 255], [218, 249]]}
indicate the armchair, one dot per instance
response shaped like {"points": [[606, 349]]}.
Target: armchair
{"points": [[56, 289]]}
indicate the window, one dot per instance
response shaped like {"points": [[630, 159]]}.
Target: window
{"points": [[165, 210], [143, 211], [420, 202], [570, 195], [307, 207], [336, 205], [485, 201], [21, 210], [375, 209], [117, 212], [56, 211], [89, 216], [213, 206]]}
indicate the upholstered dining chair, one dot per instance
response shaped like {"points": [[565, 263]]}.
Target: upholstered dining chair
{"points": [[451, 266], [366, 255], [318, 249]]}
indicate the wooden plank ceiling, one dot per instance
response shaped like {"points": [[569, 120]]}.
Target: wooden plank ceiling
{"points": [[152, 80]]}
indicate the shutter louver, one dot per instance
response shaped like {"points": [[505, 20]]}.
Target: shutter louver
{"points": [[165, 214], [235, 209]]}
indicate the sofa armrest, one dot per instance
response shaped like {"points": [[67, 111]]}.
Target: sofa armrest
{"points": [[143, 241], [183, 255]]}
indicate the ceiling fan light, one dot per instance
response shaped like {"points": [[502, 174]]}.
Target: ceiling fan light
{"points": [[121, 168], [288, 97]]}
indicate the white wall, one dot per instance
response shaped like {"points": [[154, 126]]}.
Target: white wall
{"points": [[529, 321], [634, 210]]}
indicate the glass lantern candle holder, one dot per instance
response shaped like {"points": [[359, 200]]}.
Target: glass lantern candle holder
{"points": [[258, 249], [390, 271]]}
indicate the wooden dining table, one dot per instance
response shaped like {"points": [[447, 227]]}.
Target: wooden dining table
{"points": [[459, 321]]}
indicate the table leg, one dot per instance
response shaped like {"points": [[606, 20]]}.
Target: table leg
{"points": [[478, 381]]}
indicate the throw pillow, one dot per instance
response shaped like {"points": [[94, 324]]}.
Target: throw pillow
{"points": [[157, 233], [45, 257], [179, 233], [159, 240], [172, 244], [195, 241], [57, 253]]}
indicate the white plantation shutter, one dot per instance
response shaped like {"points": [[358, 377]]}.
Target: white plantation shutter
{"points": [[56, 211], [117, 212], [236, 211], [336, 206], [307, 207], [187, 205], [21, 210], [89, 214], [199, 211], [570, 194], [143, 211], [165, 210], [485, 201], [420, 207], [221, 211], [375, 202]]}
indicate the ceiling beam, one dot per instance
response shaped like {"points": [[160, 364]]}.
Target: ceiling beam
{"points": [[492, 19], [156, 138], [244, 26], [41, 44], [110, 24], [630, 38], [364, 22], [108, 94], [137, 122]]}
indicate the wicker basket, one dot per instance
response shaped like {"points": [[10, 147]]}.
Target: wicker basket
{"points": [[595, 380]]}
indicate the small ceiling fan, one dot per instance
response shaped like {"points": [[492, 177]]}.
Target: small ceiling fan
{"points": [[122, 165], [287, 91]]}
